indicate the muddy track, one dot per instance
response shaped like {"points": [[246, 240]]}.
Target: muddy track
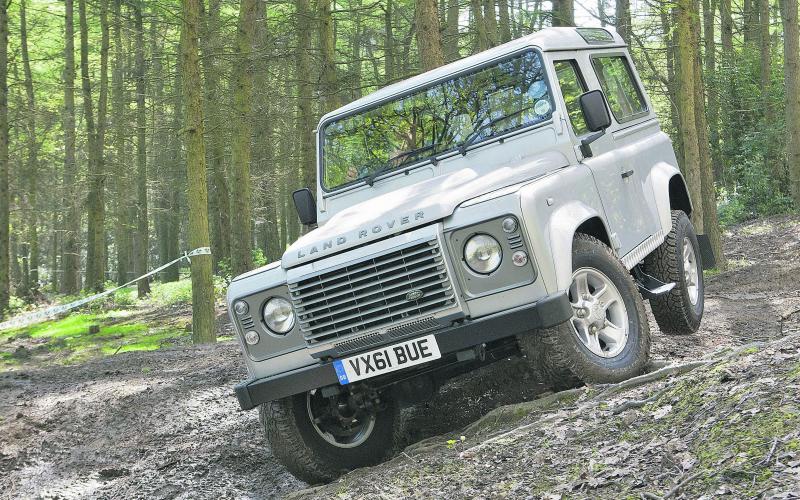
{"points": [[164, 424]]}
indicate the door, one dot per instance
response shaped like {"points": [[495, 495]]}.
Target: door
{"points": [[619, 163]]}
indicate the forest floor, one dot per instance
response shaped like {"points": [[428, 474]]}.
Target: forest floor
{"points": [[164, 423]]}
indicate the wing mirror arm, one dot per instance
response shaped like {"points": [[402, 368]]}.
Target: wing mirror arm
{"points": [[597, 118], [586, 149]]}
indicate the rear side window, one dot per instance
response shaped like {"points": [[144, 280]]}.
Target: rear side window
{"points": [[623, 94], [572, 86]]}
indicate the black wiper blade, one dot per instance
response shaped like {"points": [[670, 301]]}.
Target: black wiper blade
{"points": [[462, 148], [370, 179]]}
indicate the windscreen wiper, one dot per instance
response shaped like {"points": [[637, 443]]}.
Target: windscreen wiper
{"points": [[370, 179], [462, 148]]}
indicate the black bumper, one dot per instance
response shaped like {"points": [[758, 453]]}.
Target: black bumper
{"points": [[549, 311]]}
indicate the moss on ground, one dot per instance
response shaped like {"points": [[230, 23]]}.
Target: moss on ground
{"points": [[81, 336]]}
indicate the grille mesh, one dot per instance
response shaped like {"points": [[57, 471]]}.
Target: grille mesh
{"points": [[372, 293]]}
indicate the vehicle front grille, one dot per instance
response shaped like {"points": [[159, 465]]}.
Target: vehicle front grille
{"points": [[393, 287]]}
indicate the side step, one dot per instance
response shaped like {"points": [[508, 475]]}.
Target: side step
{"points": [[649, 286]]}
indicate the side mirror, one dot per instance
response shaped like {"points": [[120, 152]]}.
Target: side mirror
{"points": [[595, 113], [306, 206]]}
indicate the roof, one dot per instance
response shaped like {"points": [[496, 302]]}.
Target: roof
{"points": [[546, 40]]}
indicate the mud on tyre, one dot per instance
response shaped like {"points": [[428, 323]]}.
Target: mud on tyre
{"points": [[608, 337], [677, 260], [318, 439]]}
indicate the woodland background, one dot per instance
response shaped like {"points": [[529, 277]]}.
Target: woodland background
{"points": [[131, 131]]}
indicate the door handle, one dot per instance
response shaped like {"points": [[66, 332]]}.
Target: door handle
{"points": [[627, 173]]}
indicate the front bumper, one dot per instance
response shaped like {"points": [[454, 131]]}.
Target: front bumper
{"points": [[549, 311]]}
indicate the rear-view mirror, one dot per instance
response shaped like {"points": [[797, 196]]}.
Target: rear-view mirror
{"points": [[306, 206]]}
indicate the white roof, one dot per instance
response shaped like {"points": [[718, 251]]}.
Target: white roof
{"points": [[548, 39]]}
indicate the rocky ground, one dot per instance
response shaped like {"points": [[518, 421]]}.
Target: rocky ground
{"points": [[164, 424]]}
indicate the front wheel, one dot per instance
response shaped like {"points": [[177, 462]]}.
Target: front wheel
{"points": [[608, 337], [320, 438], [679, 311]]}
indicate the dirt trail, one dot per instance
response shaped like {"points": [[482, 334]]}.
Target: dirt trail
{"points": [[164, 424]]}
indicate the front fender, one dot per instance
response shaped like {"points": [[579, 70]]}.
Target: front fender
{"points": [[553, 208]]}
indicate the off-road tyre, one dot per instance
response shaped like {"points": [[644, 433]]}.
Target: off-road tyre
{"points": [[673, 311], [561, 360], [299, 448]]}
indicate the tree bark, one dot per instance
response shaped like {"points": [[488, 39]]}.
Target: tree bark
{"points": [[623, 17], [123, 227], [479, 26], [505, 21], [142, 241], [32, 166], [95, 251], [241, 203], [305, 123], [215, 137], [727, 98], [685, 58], [202, 285], [4, 163], [490, 20], [791, 33], [327, 50], [389, 63], [70, 257], [709, 193], [563, 13], [712, 82], [450, 37], [429, 37]]}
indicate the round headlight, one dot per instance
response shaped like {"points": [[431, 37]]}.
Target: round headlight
{"points": [[279, 315], [483, 254]]}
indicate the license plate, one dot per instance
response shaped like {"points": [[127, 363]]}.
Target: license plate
{"points": [[387, 359]]}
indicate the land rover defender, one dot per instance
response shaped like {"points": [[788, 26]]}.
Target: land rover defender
{"points": [[520, 201]]}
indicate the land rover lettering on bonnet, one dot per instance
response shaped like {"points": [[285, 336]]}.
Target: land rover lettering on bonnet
{"points": [[520, 201]]}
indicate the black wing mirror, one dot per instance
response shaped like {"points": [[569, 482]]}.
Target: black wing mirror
{"points": [[596, 116], [306, 206]]}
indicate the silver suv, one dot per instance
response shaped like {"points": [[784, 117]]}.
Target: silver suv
{"points": [[523, 200]]}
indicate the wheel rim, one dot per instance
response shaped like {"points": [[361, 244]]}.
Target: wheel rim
{"points": [[691, 274], [337, 423], [599, 315]]}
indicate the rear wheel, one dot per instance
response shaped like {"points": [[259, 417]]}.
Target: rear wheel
{"points": [[679, 311], [608, 337], [320, 438]]}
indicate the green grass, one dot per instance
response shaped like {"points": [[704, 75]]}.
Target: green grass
{"points": [[69, 340]]}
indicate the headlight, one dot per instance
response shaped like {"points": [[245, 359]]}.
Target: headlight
{"points": [[279, 315], [483, 254]]}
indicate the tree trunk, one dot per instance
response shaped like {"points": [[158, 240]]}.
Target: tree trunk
{"points": [[623, 16], [4, 163], [563, 13], [429, 37], [95, 270], [305, 123], [712, 82], [71, 257], [120, 186], [490, 20], [219, 199], [479, 26], [202, 285], [330, 84], [32, 167], [726, 98], [685, 59], [710, 221], [505, 21], [389, 63], [791, 33], [450, 38], [142, 241], [771, 163], [241, 203]]}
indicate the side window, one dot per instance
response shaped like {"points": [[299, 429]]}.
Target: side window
{"points": [[572, 87], [623, 94]]}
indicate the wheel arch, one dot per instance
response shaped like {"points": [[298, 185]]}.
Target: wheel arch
{"points": [[670, 192]]}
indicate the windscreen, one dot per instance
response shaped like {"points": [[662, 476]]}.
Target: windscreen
{"points": [[464, 110]]}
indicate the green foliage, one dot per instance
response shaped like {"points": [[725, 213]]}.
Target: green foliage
{"points": [[175, 292]]}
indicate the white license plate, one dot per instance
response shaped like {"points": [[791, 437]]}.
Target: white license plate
{"points": [[387, 359]]}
